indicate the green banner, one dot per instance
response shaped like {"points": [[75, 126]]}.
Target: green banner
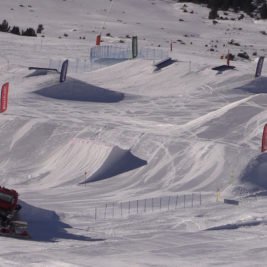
{"points": [[134, 47]]}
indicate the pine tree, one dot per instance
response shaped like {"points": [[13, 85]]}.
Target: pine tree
{"points": [[263, 11], [245, 5], [213, 13], [15, 30], [4, 26], [29, 32]]}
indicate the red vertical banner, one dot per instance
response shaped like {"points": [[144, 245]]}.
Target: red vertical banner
{"points": [[264, 139], [98, 39], [4, 97]]}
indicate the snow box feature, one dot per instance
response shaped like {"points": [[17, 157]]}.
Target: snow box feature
{"points": [[41, 71], [76, 90]]}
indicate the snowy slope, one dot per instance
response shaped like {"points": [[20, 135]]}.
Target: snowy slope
{"points": [[133, 133]]}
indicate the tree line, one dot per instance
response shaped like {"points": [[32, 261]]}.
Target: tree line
{"points": [[4, 27], [248, 6]]}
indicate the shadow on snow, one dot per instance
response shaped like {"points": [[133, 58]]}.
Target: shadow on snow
{"points": [[255, 173], [118, 161], [45, 225], [233, 226], [253, 180], [257, 86], [76, 90]]}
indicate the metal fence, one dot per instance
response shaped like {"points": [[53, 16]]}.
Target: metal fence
{"points": [[108, 51], [76, 65], [144, 206], [149, 53], [124, 52], [103, 56]]}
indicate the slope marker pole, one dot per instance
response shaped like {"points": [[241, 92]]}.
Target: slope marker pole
{"points": [[176, 202]]}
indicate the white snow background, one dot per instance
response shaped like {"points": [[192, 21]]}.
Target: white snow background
{"points": [[140, 135]]}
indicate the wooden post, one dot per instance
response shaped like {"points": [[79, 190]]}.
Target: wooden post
{"points": [[218, 198], [184, 201], [105, 210], [228, 59], [85, 175], [84, 65], [176, 202], [77, 65], [169, 200], [189, 66]]}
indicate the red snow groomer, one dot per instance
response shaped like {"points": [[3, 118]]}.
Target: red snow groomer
{"points": [[8, 199], [10, 223]]}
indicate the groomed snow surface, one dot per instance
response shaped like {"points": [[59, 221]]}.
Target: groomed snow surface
{"points": [[83, 152]]}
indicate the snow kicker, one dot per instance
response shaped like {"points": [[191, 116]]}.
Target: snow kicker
{"points": [[83, 161]]}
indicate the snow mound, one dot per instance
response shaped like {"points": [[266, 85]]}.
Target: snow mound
{"points": [[118, 161], [80, 91], [82, 161]]}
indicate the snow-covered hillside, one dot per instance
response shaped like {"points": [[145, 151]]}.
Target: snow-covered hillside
{"points": [[126, 132]]}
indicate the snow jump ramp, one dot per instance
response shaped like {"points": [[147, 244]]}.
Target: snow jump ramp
{"points": [[117, 162], [82, 161]]}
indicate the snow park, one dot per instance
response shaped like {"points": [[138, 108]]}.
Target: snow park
{"points": [[133, 133]]}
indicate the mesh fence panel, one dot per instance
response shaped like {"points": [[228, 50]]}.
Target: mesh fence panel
{"points": [[102, 56]]}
